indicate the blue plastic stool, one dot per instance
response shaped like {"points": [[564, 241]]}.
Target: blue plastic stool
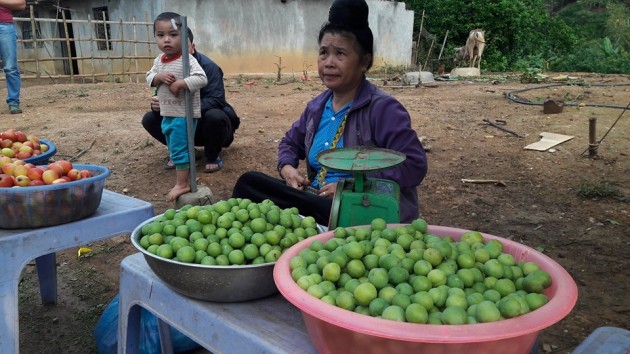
{"points": [[117, 214], [270, 325], [605, 340], [47, 275]]}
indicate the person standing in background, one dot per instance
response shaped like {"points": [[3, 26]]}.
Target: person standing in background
{"points": [[8, 52]]}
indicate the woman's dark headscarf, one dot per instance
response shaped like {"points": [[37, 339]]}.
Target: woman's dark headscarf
{"points": [[351, 16]]}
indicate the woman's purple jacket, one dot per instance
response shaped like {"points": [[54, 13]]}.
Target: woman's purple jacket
{"points": [[375, 119]]}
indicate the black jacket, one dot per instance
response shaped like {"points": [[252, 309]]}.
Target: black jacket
{"points": [[213, 95]]}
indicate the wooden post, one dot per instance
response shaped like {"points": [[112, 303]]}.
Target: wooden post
{"points": [[68, 47], [443, 44], [418, 41], [135, 48], [109, 59], [122, 49], [35, 43], [428, 55], [280, 67], [92, 43], [190, 131], [149, 32], [592, 145]]}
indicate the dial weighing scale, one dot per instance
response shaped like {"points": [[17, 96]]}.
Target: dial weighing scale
{"points": [[359, 200]]}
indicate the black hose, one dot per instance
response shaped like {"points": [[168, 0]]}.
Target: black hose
{"points": [[512, 97]]}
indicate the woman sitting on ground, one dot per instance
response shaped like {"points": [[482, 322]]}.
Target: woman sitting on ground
{"points": [[352, 112]]}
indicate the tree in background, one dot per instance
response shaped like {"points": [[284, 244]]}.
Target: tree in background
{"points": [[618, 24], [603, 29], [522, 34]]}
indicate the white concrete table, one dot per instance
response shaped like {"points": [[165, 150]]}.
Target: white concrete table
{"points": [[117, 214], [268, 325]]}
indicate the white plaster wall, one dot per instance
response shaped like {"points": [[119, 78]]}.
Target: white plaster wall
{"points": [[244, 36], [251, 35]]}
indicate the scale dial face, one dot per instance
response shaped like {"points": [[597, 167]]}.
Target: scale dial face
{"points": [[360, 159]]}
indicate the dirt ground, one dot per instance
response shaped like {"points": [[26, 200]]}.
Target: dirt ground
{"points": [[537, 201]]}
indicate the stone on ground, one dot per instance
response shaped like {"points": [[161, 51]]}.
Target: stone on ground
{"points": [[203, 196]]}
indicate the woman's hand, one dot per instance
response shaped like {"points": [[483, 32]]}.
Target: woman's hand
{"points": [[328, 190], [293, 177]]}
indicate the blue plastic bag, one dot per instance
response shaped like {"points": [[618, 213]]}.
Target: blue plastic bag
{"points": [[106, 333]]}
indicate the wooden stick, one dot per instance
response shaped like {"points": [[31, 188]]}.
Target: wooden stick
{"points": [[484, 181], [35, 34], [402, 87], [418, 41], [592, 146], [149, 32], [68, 47], [503, 128], [122, 48], [75, 157], [428, 55], [442, 49], [92, 48], [135, 48]]}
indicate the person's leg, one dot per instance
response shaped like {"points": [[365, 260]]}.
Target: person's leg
{"points": [[212, 132], [8, 53], [152, 123], [258, 186], [182, 185], [174, 130]]}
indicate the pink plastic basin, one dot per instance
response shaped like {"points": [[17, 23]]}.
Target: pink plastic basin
{"points": [[335, 330]]}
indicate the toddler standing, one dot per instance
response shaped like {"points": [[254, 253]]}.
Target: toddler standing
{"points": [[167, 74]]}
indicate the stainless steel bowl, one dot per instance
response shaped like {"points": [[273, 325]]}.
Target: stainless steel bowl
{"points": [[211, 283]]}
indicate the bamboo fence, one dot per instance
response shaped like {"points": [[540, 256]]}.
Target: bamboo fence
{"points": [[124, 57]]}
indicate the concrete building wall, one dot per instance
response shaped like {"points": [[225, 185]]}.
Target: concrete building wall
{"points": [[242, 36], [251, 36]]}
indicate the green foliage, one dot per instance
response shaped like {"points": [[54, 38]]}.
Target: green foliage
{"points": [[494, 60], [602, 189], [515, 29], [536, 61], [608, 48], [595, 56], [585, 22], [587, 35], [604, 29], [618, 25], [531, 75], [595, 4]]}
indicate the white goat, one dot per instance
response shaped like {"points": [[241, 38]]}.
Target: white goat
{"points": [[474, 47], [472, 51]]}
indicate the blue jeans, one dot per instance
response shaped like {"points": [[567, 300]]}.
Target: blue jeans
{"points": [[8, 53]]}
